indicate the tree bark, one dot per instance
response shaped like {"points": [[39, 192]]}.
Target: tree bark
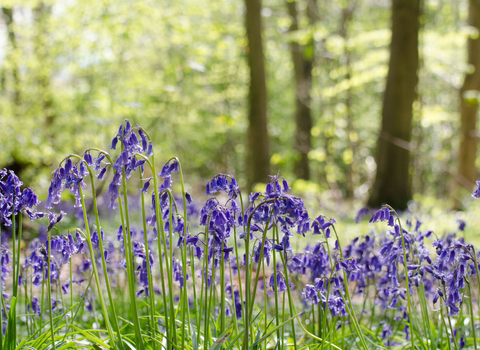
{"points": [[42, 12], [347, 16], [469, 106], [303, 57], [258, 157], [392, 183], [13, 59]]}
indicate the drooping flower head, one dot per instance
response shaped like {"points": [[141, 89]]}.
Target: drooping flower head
{"points": [[14, 200], [133, 140], [70, 176]]}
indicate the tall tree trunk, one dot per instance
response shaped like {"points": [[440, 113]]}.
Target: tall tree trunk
{"points": [[303, 57], [44, 74], [467, 172], [392, 183], [258, 158], [347, 15], [13, 60]]}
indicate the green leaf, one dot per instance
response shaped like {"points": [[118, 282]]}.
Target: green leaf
{"points": [[194, 338], [223, 337], [91, 337], [273, 330]]}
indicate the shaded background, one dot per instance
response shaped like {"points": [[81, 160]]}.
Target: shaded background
{"points": [[71, 71]]}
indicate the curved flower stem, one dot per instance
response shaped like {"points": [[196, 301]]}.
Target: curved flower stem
{"points": [[209, 299], [49, 290], [445, 325], [325, 325], [129, 254], [14, 253], [477, 273], [472, 322], [184, 252], [20, 217], [192, 267], [350, 306], [260, 263], [149, 270], [248, 300], [407, 283], [274, 253], [222, 291], [43, 299], [104, 263], [290, 300], [169, 271], [161, 240], [200, 309], [100, 239], [240, 289], [292, 308], [94, 266], [204, 305], [71, 291], [265, 304], [234, 311], [450, 323]]}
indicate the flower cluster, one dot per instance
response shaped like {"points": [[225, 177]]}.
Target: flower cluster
{"points": [[14, 200]]}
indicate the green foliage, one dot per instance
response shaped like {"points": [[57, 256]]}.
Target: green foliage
{"points": [[179, 68]]}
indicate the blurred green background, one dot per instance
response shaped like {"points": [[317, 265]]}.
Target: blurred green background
{"points": [[71, 71]]}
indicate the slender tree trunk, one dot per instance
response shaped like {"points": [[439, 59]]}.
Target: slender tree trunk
{"points": [[347, 15], [467, 172], [303, 57], [258, 157], [13, 60], [44, 72], [392, 183]]}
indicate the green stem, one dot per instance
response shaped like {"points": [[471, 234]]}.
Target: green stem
{"points": [[350, 304], [290, 300], [149, 271], [192, 267], [260, 263], [184, 248], [222, 292], [49, 291], [169, 271], [274, 253], [161, 240], [94, 265], [407, 283], [71, 287], [130, 260], [249, 297], [17, 276], [14, 253], [104, 263], [472, 321]]}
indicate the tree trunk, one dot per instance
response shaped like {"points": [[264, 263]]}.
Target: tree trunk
{"points": [[13, 60], [469, 105], [347, 15], [303, 57], [392, 183], [258, 158], [42, 13]]}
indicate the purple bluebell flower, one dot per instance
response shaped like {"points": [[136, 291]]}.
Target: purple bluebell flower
{"points": [[169, 168], [476, 193], [281, 285], [461, 225]]}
